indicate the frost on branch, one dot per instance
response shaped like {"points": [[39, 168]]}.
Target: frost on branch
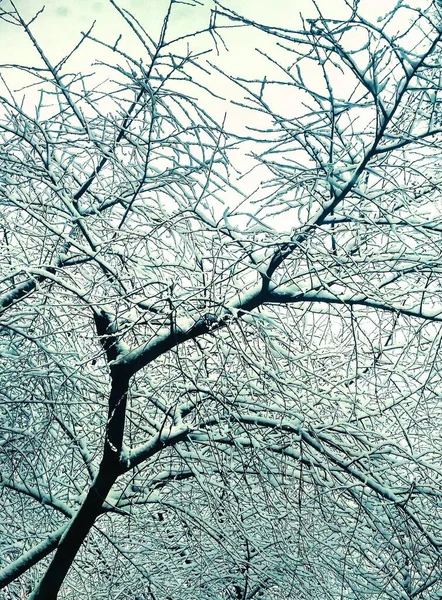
{"points": [[220, 307]]}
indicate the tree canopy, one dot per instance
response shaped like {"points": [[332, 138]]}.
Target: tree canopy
{"points": [[220, 308]]}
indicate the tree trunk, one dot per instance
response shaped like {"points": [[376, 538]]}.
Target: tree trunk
{"points": [[81, 524], [75, 535]]}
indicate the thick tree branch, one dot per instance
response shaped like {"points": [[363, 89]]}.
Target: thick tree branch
{"points": [[30, 558]]}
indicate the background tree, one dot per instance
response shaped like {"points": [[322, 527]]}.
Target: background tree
{"points": [[211, 391]]}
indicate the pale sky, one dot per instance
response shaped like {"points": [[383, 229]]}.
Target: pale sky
{"points": [[58, 28]]}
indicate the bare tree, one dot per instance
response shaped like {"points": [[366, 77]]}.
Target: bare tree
{"points": [[209, 391]]}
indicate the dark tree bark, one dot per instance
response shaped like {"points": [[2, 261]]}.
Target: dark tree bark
{"points": [[74, 537], [92, 507]]}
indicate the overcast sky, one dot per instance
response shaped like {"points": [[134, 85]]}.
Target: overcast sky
{"points": [[58, 30], [59, 26]]}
